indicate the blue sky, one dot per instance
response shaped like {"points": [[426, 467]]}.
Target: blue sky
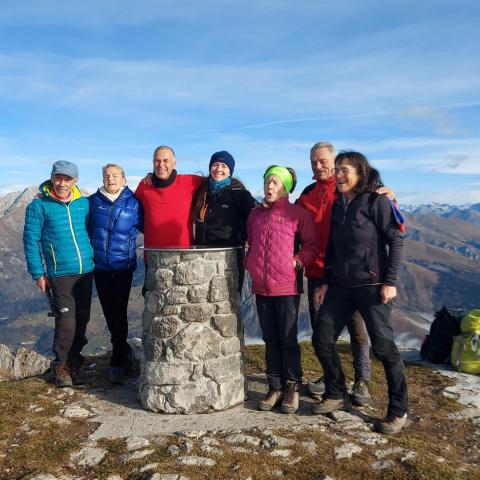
{"points": [[107, 81]]}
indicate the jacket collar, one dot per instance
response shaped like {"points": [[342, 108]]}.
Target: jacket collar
{"points": [[329, 182], [280, 203], [46, 190]]}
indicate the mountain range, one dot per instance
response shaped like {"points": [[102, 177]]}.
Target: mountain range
{"points": [[441, 267]]}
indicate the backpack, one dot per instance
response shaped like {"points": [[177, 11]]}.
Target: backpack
{"points": [[471, 322], [465, 355], [437, 345]]}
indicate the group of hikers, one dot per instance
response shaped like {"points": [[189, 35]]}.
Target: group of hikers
{"points": [[344, 233]]}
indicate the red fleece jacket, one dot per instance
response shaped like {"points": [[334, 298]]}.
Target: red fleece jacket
{"points": [[318, 198], [167, 212]]}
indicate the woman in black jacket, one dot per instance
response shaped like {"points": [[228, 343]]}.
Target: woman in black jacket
{"points": [[362, 263], [221, 207]]}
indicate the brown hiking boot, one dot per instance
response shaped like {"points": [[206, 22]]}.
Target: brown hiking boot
{"points": [[62, 377], [391, 424], [290, 398], [316, 388], [360, 393], [271, 400], [77, 375], [328, 405]]}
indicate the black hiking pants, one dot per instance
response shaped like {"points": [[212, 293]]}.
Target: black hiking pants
{"points": [[113, 290], [357, 330], [72, 297], [339, 305], [279, 321]]}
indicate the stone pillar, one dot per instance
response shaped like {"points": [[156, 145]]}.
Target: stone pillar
{"points": [[192, 332]]}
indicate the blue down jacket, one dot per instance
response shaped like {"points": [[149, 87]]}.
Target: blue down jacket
{"points": [[113, 229], [58, 232]]}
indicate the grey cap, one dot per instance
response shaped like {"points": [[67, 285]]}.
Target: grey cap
{"points": [[62, 167]]}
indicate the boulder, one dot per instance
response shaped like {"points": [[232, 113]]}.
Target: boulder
{"points": [[22, 364]]}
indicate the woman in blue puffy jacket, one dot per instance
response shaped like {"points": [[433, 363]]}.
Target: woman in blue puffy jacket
{"points": [[115, 220]]}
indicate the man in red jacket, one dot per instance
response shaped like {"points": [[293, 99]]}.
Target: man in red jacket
{"points": [[167, 202], [318, 198]]}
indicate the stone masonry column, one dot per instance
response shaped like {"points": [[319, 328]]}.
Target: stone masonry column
{"points": [[192, 331]]}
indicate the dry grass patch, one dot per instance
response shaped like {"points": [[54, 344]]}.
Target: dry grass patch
{"points": [[30, 442]]}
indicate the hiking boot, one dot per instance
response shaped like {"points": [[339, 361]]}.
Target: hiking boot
{"points": [[360, 393], [328, 405], [49, 375], [291, 398], [316, 387], [271, 400], [116, 375], [391, 424], [62, 377], [77, 375], [129, 366]]}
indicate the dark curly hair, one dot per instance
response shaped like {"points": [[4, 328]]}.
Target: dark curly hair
{"points": [[369, 177]]}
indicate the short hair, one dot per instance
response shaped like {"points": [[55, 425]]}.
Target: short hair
{"points": [[112, 165], [326, 145], [162, 147], [368, 180]]}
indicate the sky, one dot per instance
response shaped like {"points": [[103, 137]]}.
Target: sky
{"points": [[107, 81]]}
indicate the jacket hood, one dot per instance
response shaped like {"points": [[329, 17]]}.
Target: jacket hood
{"points": [[46, 189], [125, 193]]}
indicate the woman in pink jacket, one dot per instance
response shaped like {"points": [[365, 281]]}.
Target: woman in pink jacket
{"points": [[272, 231]]}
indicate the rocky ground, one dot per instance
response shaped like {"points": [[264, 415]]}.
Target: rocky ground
{"points": [[99, 431]]}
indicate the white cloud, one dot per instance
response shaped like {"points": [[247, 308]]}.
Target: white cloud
{"points": [[107, 86], [451, 197], [12, 187]]}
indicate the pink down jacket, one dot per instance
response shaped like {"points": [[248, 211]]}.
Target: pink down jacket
{"points": [[271, 234]]}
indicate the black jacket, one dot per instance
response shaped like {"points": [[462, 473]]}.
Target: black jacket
{"points": [[357, 252], [225, 222]]}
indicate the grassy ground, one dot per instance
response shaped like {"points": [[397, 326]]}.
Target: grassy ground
{"points": [[33, 441]]}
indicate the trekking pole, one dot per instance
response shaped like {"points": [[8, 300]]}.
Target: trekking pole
{"points": [[49, 294]]}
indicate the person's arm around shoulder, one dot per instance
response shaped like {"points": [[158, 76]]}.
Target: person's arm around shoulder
{"points": [[197, 181], [140, 191], [387, 192], [32, 232], [386, 225]]}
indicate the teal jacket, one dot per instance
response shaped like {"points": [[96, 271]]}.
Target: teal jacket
{"points": [[58, 232]]}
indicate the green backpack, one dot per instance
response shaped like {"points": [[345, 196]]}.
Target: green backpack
{"points": [[465, 355], [471, 322]]}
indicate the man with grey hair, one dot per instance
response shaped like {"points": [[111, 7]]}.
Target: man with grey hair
{"points": [[60, 258], [318, 198]]}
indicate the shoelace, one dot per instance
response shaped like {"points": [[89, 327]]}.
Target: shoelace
{"points": [[62, 372]]}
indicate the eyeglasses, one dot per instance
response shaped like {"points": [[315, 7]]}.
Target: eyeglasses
{"points": [[343, 170]]}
